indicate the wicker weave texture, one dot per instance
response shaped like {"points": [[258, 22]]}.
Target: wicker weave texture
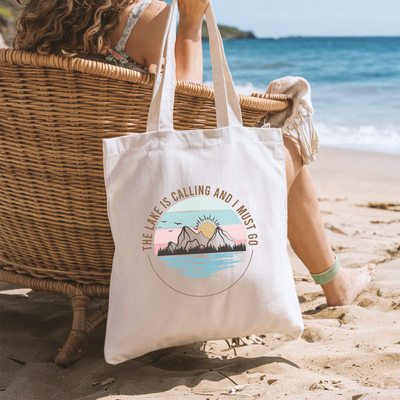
{"points": [[54, 113]]}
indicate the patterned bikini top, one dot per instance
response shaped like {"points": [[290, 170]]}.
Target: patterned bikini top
{"points": [[117, 56]]}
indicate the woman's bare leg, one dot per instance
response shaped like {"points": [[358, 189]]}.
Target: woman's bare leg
{"points": [[307, 235]]}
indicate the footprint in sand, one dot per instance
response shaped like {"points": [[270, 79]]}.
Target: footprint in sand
{"points": [[385, 206], [388, 222], [334, 229], [339, 248]]}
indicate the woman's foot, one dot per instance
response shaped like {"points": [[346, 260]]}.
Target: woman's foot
{"points": [[348, 284], [307, 234]]}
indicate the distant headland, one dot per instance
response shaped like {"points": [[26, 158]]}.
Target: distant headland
{"points": [[228, 32]]}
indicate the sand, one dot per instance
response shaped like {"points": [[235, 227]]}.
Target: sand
{"points": [[350, 352]]}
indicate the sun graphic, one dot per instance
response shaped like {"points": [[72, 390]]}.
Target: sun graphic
{"points": [[207, 229], [207, 226]]}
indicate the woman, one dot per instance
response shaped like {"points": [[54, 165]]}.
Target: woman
{"points": [[129, 33]]}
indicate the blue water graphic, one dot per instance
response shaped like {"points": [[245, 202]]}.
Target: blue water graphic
{"points": [[201, 265]]}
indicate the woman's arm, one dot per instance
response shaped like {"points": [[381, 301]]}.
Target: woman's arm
{"points": [[144, 43], [188, 49]]}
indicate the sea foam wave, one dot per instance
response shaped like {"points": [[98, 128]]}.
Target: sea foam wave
{"points": [[382, 139], [367, 137], [247, 89]]}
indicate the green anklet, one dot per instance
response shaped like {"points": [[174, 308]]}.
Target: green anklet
{"points": [[328, 275]]}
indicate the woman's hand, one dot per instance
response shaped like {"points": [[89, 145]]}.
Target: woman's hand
{"points": [[188, 49], [191, 13]]}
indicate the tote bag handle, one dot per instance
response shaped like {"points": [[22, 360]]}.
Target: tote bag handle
{"points": [[162, 104]]}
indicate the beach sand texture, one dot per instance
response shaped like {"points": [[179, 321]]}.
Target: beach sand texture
{"points": [[350, 352]]}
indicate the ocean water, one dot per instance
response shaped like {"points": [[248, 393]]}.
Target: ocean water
{"points": [[355, 83]]}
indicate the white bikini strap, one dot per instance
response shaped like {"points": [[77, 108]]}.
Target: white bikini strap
{"points": [[133, 18]]}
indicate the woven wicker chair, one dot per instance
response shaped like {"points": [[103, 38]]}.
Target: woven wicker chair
{"points": [[54, 113]]}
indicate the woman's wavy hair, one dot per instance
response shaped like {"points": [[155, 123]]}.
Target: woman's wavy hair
{"points": [[68, 27]]}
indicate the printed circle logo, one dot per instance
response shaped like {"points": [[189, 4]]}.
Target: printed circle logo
{"points": [[200, 247]]}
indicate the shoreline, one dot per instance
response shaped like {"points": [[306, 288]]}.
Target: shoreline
{"points": [[391, 152]]}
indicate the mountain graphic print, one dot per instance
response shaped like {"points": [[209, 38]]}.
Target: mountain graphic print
{"points": [[190, 242]]}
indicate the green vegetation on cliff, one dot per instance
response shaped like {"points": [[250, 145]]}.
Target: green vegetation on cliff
{"points": [[228, 32]]}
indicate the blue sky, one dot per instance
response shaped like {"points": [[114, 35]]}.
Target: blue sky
{"points": [[277, 18]]}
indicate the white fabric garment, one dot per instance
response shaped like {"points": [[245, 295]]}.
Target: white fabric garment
{"points": [[3, 44], [296, 121], [199, 221]]}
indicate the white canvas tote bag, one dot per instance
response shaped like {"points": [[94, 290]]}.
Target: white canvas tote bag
{"points": [[199, 221]]}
